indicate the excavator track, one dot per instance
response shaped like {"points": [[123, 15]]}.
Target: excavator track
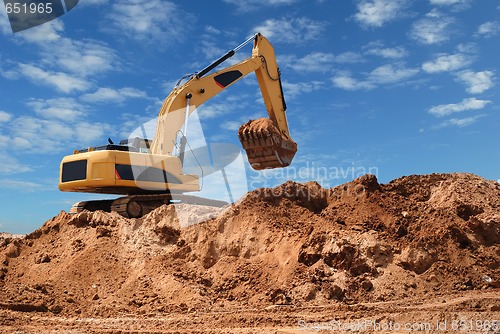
{"points": [[265, 146], [104, 205], [136, 206]]}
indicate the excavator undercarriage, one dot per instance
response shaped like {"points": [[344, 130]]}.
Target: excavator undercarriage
{"points": [[135, 206]]}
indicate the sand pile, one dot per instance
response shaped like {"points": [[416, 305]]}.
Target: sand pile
{"points": [[296, 244]]}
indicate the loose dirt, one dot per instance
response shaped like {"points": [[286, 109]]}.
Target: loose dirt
{"points": [[418, 250]]}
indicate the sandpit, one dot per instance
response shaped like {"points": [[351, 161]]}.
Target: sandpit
{"points": [[420, 248]]}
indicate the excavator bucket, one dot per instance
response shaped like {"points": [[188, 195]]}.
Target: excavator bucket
{"points": [[266, 147]]}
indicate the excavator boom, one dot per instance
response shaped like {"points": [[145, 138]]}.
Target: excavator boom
{"points": [[267, 141]]}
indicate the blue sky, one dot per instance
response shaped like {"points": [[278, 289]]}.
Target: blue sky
{"points": [[394, 87]]}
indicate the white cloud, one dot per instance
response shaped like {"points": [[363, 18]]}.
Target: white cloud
{"points": [[84, 58], [36, 135], [10, 165], [344, 80], [21, 143], [5, 116], [318, 61], [295, 89], [469, 48], [213, 50], [378, 49], [455, 4], [209, 111], [459, 122], [11, 74], [391, 74], [291, 30], [88, 133], [4, 141], [211, 30], [382, 75], [349, 57], [153, 21], [375, 13], [92, 2], [111, 95], [489, 29], [466, 104], [21, 185], [227, 104], [64, 63], [313, 62], [43, 33], [249, 5], [446, 63], [59, 80], [477, 82], [433, 29], [67, 109], [231, 125], [394, 53], [445, 2], [234, 125], [35, 127]]}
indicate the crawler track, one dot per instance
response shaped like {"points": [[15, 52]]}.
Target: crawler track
{"points": [[135, 206]]}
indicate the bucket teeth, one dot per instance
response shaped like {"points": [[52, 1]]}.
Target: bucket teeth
{"points": [[265, 146]]}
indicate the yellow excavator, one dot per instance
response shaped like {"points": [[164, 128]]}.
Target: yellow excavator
{"points": [[148, 172]]}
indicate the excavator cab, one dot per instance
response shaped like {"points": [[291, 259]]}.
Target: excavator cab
{"points": [[140, 144]]}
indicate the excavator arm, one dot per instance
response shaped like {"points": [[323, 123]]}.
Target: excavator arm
{"points": [[267, 141]]}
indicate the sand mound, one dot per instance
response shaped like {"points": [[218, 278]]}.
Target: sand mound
{"points": [[295, 244]]}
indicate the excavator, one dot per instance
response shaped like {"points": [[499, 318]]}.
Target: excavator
{"points": [[149, 173]]}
